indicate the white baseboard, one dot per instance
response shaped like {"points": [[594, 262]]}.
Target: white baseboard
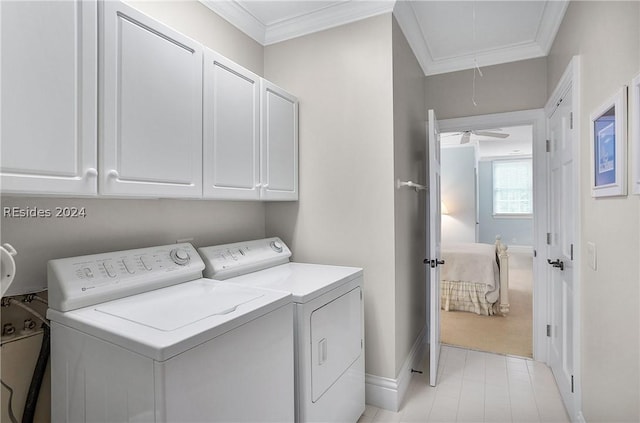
{"points": [[387, 393], [520, 249]]}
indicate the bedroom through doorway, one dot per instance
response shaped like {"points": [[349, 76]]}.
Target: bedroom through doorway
{"points": [[487, 191]]}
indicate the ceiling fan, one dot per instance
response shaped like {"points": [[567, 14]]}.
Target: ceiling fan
{"points": [[466, 135]]}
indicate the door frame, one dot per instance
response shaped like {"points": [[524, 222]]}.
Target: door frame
{"points": [[537, 119], [571, 80]]}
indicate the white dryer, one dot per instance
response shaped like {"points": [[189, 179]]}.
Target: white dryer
{"points": [[328, 321], [140, 336]]}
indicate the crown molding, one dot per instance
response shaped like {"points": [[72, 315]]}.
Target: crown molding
{"points": [[238, 16], [329, 17], [552, 18], [408, 21], [486, 58], [550, 23], [350, 11]]}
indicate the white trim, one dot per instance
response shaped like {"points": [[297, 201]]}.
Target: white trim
{"points": [[505, 157], [536, 118], [329, 17], [634, 116], [345, 12], [238, 16], [550, 23], [387, 393], [408, 21], [336, 14], [571, 80], [520, 249]]}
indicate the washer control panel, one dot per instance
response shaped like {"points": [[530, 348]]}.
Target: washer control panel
{"points": [[230, 260], [87, 280]]}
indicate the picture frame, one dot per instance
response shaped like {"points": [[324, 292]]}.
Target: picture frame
{"points": [[608, 133], [635, 132]]}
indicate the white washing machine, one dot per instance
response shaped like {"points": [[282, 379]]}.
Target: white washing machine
{"points": [[328, 321], [140, 336]]}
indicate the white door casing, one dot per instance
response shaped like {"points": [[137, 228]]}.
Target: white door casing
{"points": [[434, 260], [535, 118]]}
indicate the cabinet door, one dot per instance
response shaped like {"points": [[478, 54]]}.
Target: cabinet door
{"points": [[151, 138], [48, 84], [279, 164], [231, 130]]}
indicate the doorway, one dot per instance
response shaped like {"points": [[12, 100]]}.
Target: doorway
{"points": [[487, 191], [534, 122]]}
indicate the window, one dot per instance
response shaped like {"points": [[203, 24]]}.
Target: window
{"points": [[512, 187]]}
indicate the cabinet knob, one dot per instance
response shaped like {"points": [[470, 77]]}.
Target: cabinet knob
{"points": [[258, 186], [91, 172], [265, 186], [113, 174]]}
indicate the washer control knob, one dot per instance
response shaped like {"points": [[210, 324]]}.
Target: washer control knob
{"points": [[179, 256], [276, 246]]}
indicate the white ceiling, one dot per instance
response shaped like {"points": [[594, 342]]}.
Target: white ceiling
{"points": [[519, 143], [443, 34]]}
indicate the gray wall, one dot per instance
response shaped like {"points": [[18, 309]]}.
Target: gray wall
{"points": [[606, 35], [345, 215], [503, 88], [514, 231], [458, 187], [409, 140]]}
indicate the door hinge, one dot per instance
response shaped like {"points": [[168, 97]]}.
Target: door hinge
{"points": [[571, 252], [535, 253], [571, 120], [548, 238], [549, 331], [361, 344], [548, 146], [572, 384], [360, 295]]}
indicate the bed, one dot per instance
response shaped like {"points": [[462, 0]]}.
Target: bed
{"points": [[475, 278]]}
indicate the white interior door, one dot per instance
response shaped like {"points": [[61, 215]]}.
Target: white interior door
{"points": [[433, 246], [560, 248]]}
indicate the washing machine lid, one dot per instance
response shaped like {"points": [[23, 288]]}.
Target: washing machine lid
{"points": [[171, 309], [304, 281], [163, 323]]}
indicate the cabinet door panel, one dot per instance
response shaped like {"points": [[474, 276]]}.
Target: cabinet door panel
{"points": [[231, 130], [49, 104], [279, 144], [152, 135]]}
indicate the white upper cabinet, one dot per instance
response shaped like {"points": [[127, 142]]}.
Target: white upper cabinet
{"points": [[279, 164], [250, 135], [231, 145], [48, 102], [151, 100]]}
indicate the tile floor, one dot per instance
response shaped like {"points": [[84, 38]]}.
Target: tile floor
{"points": [[478, 387]]}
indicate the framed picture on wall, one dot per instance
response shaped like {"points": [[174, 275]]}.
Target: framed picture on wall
{"points": [[608, 147], [635, 132]]}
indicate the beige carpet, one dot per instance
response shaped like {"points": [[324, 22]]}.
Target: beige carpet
{"points": [[511, 334]]}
